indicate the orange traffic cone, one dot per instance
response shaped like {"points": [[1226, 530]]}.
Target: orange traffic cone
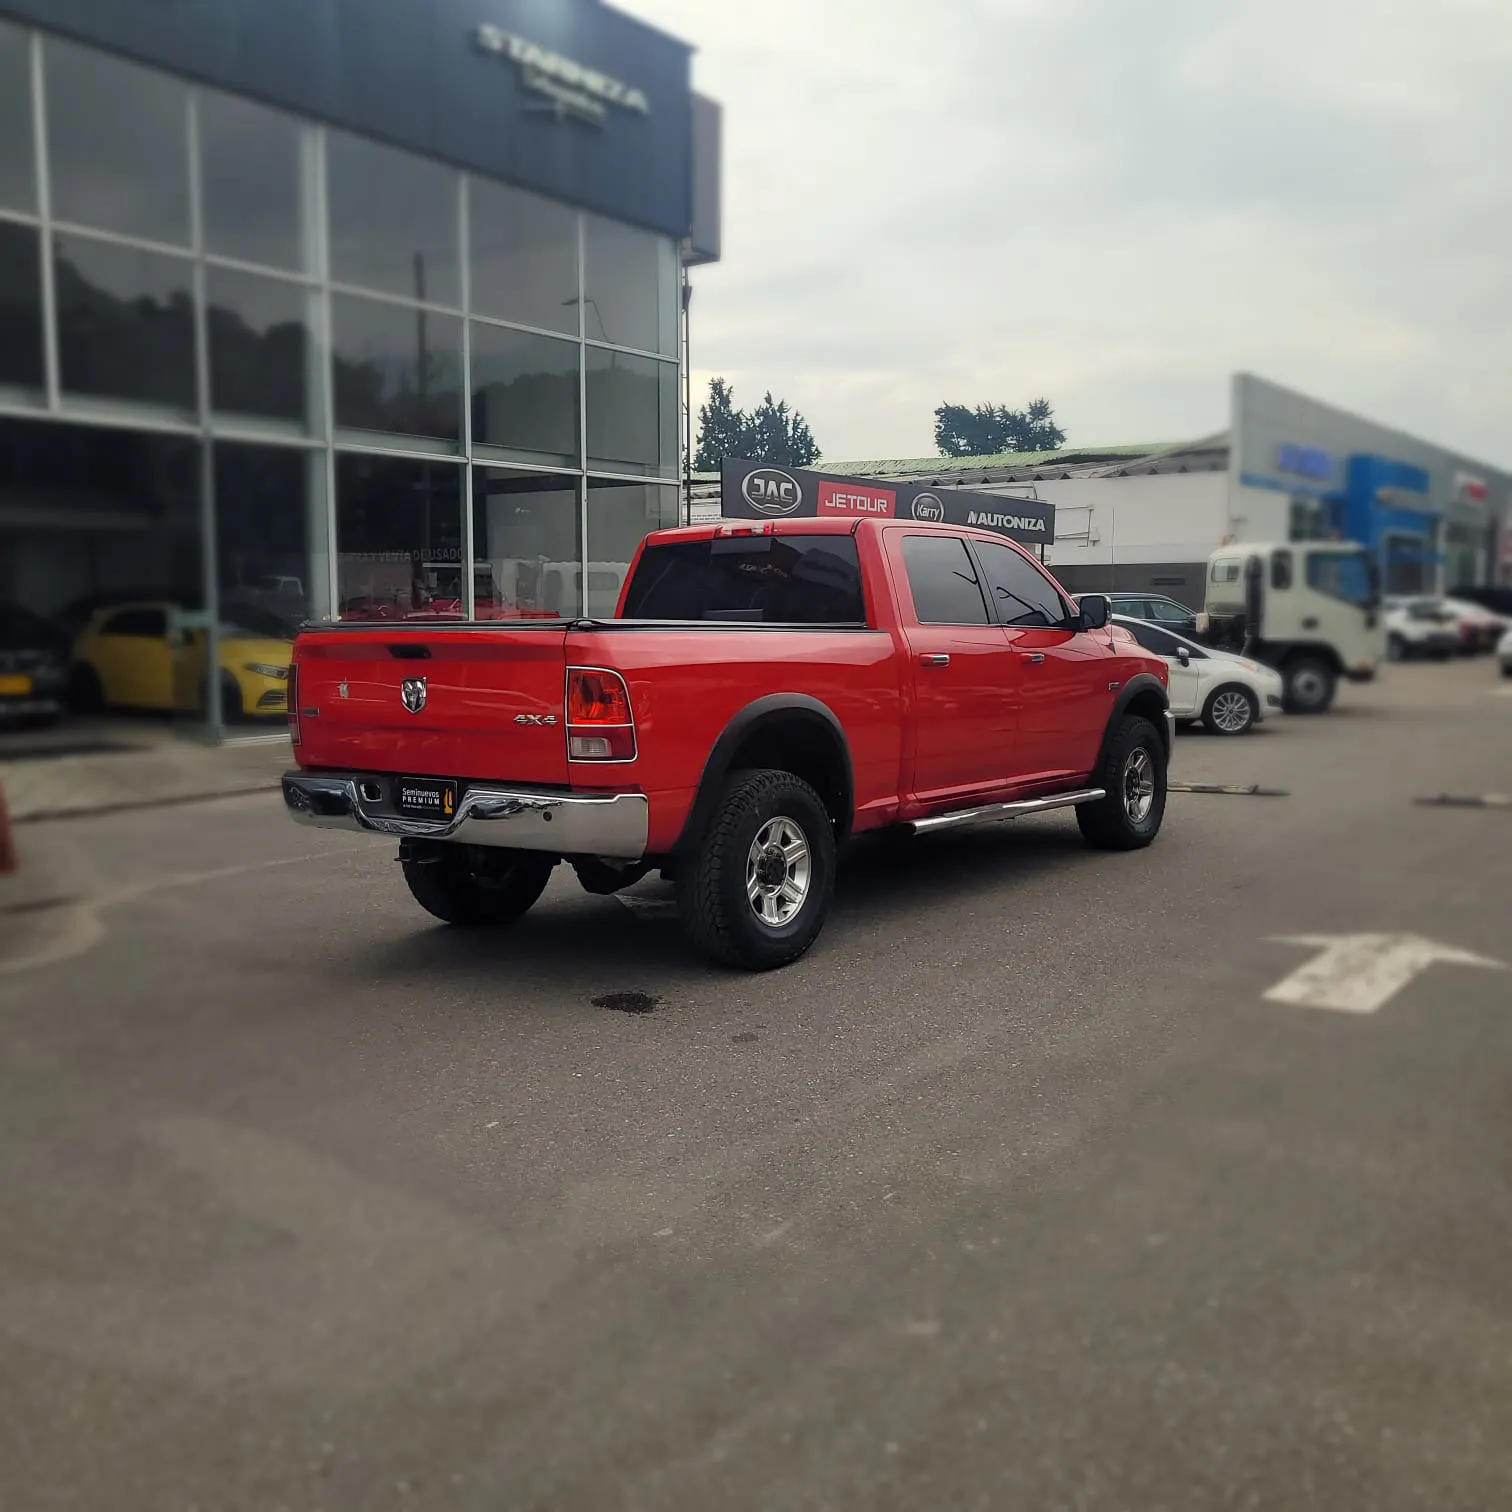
{"points": [[9, 861]]}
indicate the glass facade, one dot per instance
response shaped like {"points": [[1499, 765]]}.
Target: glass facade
{"points": [[255, 370]]}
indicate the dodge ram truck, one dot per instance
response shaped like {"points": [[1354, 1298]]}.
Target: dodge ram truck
{"points": [[764, 693]]}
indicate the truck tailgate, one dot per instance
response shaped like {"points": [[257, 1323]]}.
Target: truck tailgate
{"points": [[482, 702]]}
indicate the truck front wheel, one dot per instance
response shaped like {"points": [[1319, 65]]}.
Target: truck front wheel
{"points": [[756, 892], [475, 885], [1310, 684], [1133, 777]]}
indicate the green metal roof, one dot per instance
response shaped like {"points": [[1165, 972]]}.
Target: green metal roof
{"points": [[934, 467]]}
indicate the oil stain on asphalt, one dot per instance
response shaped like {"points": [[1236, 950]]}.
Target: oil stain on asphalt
{"points": [[627, 1002]]}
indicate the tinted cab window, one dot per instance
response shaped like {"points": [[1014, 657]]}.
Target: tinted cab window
{"points": [[1022, 594], [943, 581], [781, 580]]}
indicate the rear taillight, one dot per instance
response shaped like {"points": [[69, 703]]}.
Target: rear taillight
{"points": [[600, 725], [292, 700]]}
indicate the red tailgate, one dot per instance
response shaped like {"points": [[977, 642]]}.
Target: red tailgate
{"points": [[481, 703]]}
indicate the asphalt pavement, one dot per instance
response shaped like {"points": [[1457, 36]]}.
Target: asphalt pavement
{"points": [[1018, 1192]]}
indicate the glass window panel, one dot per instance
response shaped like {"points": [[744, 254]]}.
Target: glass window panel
{"points": [[759, 579], [526, 543], [525, 392], [632, 413], [117, 143], [524, 257], [252, 164], [18, 177], [1023, 594], [943, 581], [397, 368], [619, 517], [20, 307], [395, 221], [259, 345], [263, 526], [631, 286], [123, 529], [398, 537], [125, 323]]}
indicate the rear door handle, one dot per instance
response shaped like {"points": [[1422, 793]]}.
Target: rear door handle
{"points": [[1035, 657], [934, 659]]}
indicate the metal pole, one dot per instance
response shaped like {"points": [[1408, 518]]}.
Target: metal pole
{"points": [[687, 324]]}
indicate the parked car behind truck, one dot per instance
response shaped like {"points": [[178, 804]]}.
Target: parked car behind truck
{"points": [[1310, 609], [764, 692]]}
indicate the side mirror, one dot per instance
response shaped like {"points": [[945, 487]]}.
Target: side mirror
{"points": [[1183, 656], [1095, 611]]}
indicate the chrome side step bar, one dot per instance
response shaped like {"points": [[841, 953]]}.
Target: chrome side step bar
{"points": [[1005, 810]]}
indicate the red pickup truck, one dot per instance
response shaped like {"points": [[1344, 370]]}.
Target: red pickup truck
{"points": [[764, 692]]}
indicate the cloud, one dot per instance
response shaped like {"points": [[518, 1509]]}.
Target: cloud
{"points": [[1113, 204]]}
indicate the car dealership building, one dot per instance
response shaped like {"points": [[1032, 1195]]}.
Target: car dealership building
{"points": [[306, 306]]}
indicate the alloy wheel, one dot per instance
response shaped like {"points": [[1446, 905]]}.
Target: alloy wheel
{"points": [[1138, 785], [779, 868], [1231, 712]]}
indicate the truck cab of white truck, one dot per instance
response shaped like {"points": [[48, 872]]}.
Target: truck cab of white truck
{"points": [[1310, 609]]}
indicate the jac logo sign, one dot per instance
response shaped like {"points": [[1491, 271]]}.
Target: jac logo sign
{"points": [[856, 499], [772, 491], [928, 508]]}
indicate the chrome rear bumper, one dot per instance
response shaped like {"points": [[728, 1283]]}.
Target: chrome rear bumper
{"points": [[613, 825]]}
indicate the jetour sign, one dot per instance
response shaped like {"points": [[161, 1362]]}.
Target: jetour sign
{"points": [[573, 88]]}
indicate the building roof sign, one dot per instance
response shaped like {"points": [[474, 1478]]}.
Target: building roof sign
{"points": [[572, 89]]}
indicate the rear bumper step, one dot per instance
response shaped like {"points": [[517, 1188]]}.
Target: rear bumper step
{"points": [[613, 825], [1005, 810]]}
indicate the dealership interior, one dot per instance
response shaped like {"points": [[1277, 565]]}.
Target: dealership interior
{"points": [[255, 370]]}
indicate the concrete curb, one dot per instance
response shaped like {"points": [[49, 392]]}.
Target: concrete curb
{"points": [[126, 806]]}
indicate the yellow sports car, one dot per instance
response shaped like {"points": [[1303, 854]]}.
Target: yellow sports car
{"points": [[130, 656]]}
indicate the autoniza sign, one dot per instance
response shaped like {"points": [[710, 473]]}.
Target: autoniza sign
{"points": [[757, 491]]}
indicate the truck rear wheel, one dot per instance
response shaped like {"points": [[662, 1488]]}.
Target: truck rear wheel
{"points": [[1310, 684], [475, 885], [1133, 776], [756, 892]]}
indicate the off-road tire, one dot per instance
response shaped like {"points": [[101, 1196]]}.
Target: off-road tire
{"points": [[477, 886], [712, 896], [1302, 677], [1209, 716], [1109, 824]]}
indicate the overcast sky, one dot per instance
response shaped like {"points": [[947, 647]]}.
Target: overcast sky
{"points": [[1114, 203]]}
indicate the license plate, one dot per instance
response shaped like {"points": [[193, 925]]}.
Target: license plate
{"points": [[15, 686], [426, 798]]}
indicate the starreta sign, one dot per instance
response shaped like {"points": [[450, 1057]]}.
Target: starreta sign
{"points": [[762, 491], [864, 499]]}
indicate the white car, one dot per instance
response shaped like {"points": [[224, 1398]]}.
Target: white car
{"points": [[1229, 694], [1421, 627], [1504, 655]]}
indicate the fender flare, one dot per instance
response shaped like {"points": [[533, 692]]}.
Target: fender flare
{"points": [[773, 709], [1142, 684]]}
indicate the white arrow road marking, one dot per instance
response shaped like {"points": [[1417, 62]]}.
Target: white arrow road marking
{"points": [[1362, 973]]}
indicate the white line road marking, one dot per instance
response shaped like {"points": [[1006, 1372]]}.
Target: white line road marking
{"points": [[1362, 973]]}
